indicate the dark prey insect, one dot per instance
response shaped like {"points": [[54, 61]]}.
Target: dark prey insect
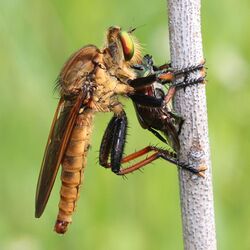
{"points": [[89, 82], [154, 112]]}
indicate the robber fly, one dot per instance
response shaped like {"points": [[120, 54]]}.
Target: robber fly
{"points": [[155, 113], [88, 83]]}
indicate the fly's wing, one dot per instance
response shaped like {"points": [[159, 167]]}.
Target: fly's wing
{"points": [[76, 68], [61, 128], [173, 128], [64, 120]]}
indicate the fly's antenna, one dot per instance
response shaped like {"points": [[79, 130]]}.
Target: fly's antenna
{"points": [[131, 30]]}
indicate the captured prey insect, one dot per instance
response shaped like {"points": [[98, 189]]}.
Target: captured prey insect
{"points": [[89, 82], [154, 112]]}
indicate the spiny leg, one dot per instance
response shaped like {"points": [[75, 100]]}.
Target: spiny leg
{"points": [[167, 75], [164, 74], [184, 81], [113, 142], [106, 142], [190, 69], [118, 143], [159, 153], [142, 163], [193, 80]]}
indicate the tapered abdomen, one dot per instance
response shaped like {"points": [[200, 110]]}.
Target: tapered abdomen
{"points": [[73, 165]]}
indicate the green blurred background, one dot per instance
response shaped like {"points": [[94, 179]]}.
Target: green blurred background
{"points": [[141, 212]]}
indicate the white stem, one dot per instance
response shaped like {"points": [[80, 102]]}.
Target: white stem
{"points": [[195, 192]]}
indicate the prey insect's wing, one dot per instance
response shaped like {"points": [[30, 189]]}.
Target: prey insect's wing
{"points": [[61, 128], [140, 110], [160, 120], [171, 132]]}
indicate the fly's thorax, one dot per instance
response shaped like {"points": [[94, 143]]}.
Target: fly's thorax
{"points": [[104, 97], [108, 87]]}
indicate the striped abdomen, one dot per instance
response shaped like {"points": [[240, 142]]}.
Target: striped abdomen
{"points": [[73, 165]]}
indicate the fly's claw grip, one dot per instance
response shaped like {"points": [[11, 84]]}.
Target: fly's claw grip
{"points": [[195, 170], [190, 75]]}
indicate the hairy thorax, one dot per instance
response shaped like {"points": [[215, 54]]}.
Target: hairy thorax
{"points": [[107, 87]]}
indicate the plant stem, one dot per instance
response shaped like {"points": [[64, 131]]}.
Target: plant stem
{"points": [[196, 193]]}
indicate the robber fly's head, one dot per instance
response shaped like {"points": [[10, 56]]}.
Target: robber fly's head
{"points": [[123, 46]]}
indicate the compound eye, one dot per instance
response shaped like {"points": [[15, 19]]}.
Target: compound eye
{"points": [[127, 45]]}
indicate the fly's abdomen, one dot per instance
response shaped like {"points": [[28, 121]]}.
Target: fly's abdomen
{"points": [[74, 162]]}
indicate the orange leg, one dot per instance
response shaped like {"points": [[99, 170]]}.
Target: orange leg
{"points": [[158, 153]]}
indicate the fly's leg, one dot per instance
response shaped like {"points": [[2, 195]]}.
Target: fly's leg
{"points": [[113, 145], [106, 142], [158, 153], [190, 69], [170, 156], [118, 143], [142, 82], [166, 75], [146, 100], [182, 79], [113, 142]]}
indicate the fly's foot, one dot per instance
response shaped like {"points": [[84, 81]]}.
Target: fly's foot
{"points": [[195, 170], [190, 76], [201, 169]]}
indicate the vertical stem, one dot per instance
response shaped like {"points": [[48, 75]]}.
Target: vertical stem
{"points": [[195, 192]]}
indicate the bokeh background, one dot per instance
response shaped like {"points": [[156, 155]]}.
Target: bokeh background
{"points": [[143, 211]]}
